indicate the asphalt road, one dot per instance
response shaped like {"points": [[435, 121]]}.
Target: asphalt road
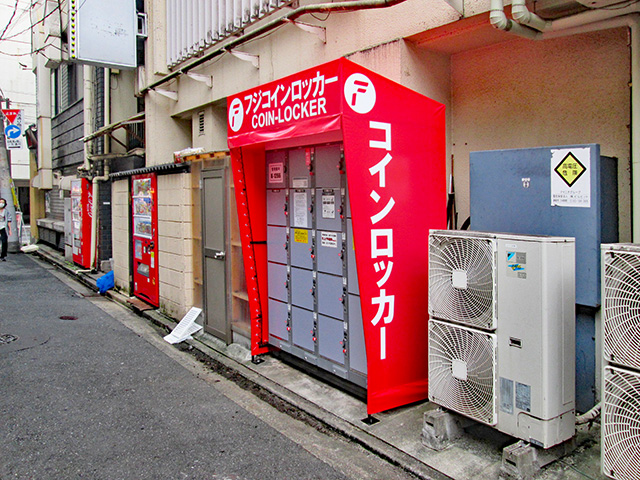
{"points": [[100, 395]]}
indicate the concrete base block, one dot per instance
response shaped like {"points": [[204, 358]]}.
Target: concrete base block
{"points": [[522, 461], [441, 428]]}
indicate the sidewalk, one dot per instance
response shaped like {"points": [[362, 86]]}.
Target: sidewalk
{"points": [[397, 434]]}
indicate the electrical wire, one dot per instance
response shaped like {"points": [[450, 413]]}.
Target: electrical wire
{"points": [[321, 19], [32, 25], [13, 14]]}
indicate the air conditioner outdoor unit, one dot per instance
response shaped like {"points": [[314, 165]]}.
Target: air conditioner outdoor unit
{"points": [[502, 331], [621, 351]]}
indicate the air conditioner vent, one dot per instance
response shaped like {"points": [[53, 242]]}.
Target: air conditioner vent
{"points": [[462, 280], [462, 370], [621, 307], [621, 424]]}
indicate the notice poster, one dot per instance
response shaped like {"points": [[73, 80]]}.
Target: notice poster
{"points": [[571, 177]]}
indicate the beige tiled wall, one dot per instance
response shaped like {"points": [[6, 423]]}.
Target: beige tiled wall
{"points": [[120, 233], [175, 243]]}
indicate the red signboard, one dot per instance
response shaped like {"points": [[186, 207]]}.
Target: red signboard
{"points": [[394, 141], [10, 114]]}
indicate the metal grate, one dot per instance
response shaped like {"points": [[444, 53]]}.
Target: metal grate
{"points": [[462, 370], [200, 123], [621, 308], [621, 424], [462, 280]]}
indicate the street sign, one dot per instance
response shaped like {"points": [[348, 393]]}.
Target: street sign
{"points": [[13, 128]]}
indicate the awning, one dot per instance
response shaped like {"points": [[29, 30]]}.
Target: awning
{"points": [[109, 129], [165, 168]]}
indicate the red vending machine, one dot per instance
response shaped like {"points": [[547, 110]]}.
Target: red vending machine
{"points": [[145, 238], [81, 205]]}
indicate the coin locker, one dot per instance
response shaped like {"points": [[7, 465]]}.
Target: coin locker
{"points": [[311, 264]]}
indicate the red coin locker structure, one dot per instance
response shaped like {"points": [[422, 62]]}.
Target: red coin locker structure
{"points": [[145, 237], [339, 174], [81, 208]]}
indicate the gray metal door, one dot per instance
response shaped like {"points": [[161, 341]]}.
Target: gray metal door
{"points": [[214, 234]]}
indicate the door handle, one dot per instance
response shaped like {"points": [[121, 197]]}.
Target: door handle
{"points": [[219, 255]]}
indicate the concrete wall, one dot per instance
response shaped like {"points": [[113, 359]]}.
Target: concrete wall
{"points": [[514, 94], [533, 94], [120, 214]]}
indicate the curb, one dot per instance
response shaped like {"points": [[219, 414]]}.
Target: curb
{"points": [[379, 447]]}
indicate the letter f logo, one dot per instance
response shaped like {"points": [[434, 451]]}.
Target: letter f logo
{"points": [[360, 93]]}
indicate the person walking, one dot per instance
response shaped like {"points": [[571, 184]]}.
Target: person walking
{"points": [[5, 229]]}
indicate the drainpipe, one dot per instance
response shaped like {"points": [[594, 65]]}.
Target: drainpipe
{"points": [[523, 16], [87, 104], [499, 20]]}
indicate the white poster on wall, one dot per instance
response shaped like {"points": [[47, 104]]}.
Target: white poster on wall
{"points": [[571, 177]]}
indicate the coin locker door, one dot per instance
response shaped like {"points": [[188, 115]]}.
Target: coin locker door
{"points": [[276, 169], [330, 253], [329, 211], [331, 295], [331, 339], [277, 244], [277, 207], [300, 168], [352, 271], [302, 248], [356, 347], [303, 288], [328, 166], [278, 316], [302, 327], [278, 281], [301, 202]]}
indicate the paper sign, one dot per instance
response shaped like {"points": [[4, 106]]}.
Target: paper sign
{"points": [[328, 205], [301, 236], [186, 327], [300, 209], [276, 173], [571, 177], [329, 239]]}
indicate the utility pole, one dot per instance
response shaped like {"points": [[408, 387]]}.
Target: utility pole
{"points": [[5, 186]]}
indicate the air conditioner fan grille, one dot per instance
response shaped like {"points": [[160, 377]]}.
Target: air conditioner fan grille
{"points": [[621, 424], [621, 308], [473, 395], [472, 303]]}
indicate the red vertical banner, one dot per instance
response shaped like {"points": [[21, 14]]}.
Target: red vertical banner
{"points": [[394, 142], [249, 178]]}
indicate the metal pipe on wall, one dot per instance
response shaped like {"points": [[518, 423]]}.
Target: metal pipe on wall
{"points": [[592, 21]]}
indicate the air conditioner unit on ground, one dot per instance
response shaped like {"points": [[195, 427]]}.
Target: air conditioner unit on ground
{"points": [[621, 351], [502, 331]]}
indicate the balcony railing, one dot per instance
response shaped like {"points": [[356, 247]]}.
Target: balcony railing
{"points": [[195, 25]]}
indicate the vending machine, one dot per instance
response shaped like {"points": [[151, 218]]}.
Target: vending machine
{"points": [[145, 238], [81, 206]]}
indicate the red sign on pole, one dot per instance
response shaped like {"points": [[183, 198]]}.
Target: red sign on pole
{"points": [[394, 145], [10, 114]]}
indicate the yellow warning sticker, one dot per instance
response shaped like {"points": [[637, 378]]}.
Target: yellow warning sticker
{"points": [[570, 169], [300, 235]]}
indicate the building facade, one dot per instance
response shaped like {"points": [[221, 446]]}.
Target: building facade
{"points": [[561, 76]]}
